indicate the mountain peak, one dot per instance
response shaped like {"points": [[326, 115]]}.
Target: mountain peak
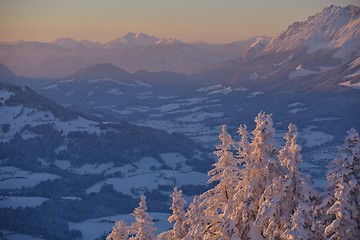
{"points": [[5, 73], [133, 39], [102, 70], [68, 43], [317, 32]]}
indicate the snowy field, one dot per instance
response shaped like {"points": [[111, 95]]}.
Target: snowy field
{"points": [[17, 236], [15, 178], [15, 202], [19, 116], [93, 228]]}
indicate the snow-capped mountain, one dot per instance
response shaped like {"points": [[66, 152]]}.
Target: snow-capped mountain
{"points": [[132, 39], [331, 28], [132, 52], [301, 58]]}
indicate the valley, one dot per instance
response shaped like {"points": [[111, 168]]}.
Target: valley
{"points": [[87, 128]]}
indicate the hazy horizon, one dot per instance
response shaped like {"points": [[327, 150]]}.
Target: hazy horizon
{"points": [[202, 20]]}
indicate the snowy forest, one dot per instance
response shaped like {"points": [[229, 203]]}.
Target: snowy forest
{"points": [[260, 193]]}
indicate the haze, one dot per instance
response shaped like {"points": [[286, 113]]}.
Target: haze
{"points": [[211, 21]]}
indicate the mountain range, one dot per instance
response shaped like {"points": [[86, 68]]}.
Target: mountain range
{"points": [[86, 127]]}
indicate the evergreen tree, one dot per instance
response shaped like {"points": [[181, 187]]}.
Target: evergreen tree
{"points": [[195, 221], [298, 229], [286, 192], [344, 191], [225, 172], [259, 167], [178, 217], [120, 231], [142, 228], [343, 227]]}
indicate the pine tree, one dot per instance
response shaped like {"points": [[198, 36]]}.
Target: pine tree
{"points": [[344, 191], [178, 217], [195, 221], [120, 231], [344, 227], [142, 228], [298, 229], [225, 172], [286, 192], [258, 159], [236, 220]]}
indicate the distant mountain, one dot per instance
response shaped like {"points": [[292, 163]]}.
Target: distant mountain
{"points": [[301, 58], [132, 52], [104, 70], [6, 73], [132, 39]]}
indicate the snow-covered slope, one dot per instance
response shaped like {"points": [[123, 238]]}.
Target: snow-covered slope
{"points": [[331, 28]]}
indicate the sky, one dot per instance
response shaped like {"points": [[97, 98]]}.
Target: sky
{"points": [[213, 21]]}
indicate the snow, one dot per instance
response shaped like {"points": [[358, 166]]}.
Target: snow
{"points": [[169, 107], [92, 168], [68, 94], [324, 119], [254, 94], [17, 236], [295, 104], [254, 232], [15, 202], [19, 116], [221, 91], [146, 163], [90, 93], [123, 112], [283, 62], [15, 178], [162, 97], [145, 95], [114, 91], [52, 86], [301, 71], [209, 88], [350, 84], [93, 228], [72, 198], [112, 80], [296, 110], [315, 138], [200, 116], [142, 84], [175, 161], [4, 95], [140, 179], [28, 135], [63, 164], [61, 148], [254, 76]]}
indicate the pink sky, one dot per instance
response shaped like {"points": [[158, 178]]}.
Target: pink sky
{"points": [[215, 21]]}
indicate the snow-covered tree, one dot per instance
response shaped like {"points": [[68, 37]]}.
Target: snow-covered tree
{"points": [[298, 229], [142, 228], [260, 166], [195, 220], [178, 218], [286, 192], [344, 227], [120, 231], [225, 173], [344, 191]]}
